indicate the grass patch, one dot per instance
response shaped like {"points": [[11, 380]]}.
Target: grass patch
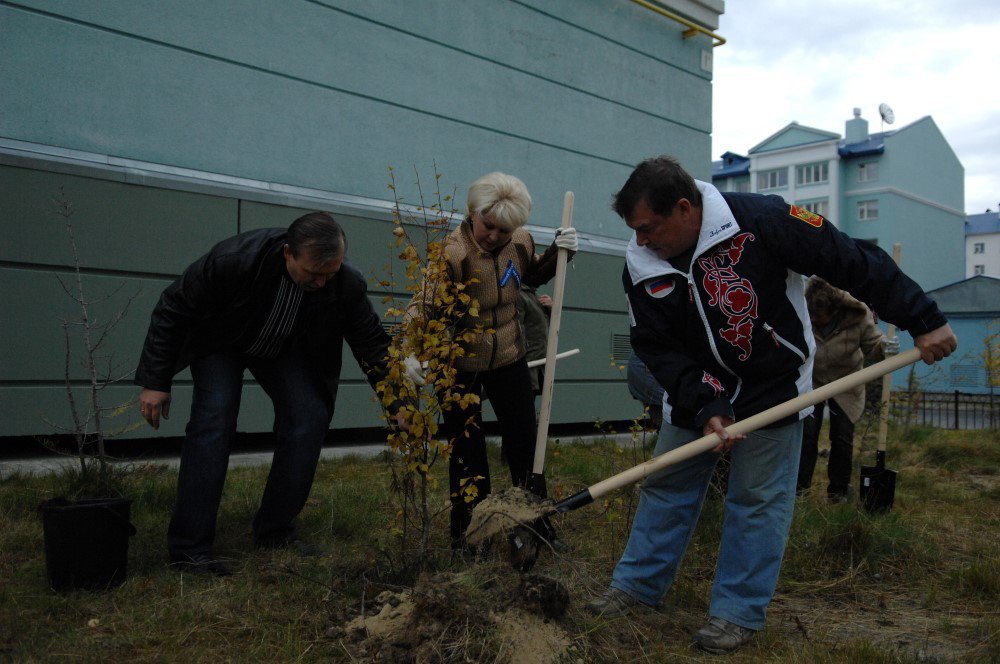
{"points": [[921, 583], [832, 542], [981, 578]]}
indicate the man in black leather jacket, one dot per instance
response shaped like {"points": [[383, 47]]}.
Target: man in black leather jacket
{"points": [[279, 303]]}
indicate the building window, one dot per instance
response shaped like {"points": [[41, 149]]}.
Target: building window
{"points": [[743, 187], [980, 269], [979, 248], [772, 179], [867, 210], [868, 171], [822, 208], [812, 173]]}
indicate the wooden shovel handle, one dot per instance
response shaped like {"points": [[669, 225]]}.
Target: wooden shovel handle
{"points": [[752, 423], [551, 348], [883, 416]]}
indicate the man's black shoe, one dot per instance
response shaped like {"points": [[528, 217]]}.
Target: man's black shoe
{"points": [[293, 542], [200, 563]]}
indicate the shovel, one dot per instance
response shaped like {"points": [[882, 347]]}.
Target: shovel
{"points": [[878, 483], [532, 518], [705, 443], [523, 541]]}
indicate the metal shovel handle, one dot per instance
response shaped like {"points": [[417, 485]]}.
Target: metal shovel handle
{"points": [[760, 420]]}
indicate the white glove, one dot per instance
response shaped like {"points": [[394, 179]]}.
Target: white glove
{"points": [[566, 239], [414, 370], [891, 345]]}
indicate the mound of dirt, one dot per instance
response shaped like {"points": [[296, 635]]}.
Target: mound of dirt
{"points": [[501, 512], [391, 618], [529, 639], [449, 617]]}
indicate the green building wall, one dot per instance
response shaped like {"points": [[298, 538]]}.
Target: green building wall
{"points": [[169, 126]]}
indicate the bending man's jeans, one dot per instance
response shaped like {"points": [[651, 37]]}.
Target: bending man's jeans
{"points": [[758, 514], [301, 419]]}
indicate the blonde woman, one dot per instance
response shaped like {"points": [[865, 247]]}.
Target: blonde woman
{"points": [[492, 246]]}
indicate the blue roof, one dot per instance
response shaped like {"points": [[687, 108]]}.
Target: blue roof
{"points": [[730, 165], [987, 222], [875, 144]]}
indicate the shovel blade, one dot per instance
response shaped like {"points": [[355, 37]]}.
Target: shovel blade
{"points": [[878, 488], [536, 485]]}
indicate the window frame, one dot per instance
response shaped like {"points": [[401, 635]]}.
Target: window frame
{"points": [[866, 208], [979, 247], [779, 173], [822, 166], [868, 171], [814, 207]]}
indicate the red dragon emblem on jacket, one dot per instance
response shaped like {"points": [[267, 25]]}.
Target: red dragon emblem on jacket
{"points": [[712, 381], [732, 294]]}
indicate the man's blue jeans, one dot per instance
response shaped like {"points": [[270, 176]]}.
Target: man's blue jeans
{"points": [[758, 515], [301, 419]]}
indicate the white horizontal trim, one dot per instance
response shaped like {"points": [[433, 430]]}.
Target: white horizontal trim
{"points": [[130, 171], [905, 194]]}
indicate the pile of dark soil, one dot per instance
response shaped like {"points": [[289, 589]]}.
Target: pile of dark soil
{"points": [[476, 615]]}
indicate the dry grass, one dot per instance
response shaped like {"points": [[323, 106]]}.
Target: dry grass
{"points": [[921, 583]]}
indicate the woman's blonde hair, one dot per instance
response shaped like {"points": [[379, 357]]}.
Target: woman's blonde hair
{"points": [[502, 196]]}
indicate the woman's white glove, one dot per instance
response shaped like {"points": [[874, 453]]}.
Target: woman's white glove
{"points": [[891, 345], [566, 239], [414, 370]]}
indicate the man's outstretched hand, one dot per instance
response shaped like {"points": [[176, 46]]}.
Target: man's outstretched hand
{"points": [[936, 344]]}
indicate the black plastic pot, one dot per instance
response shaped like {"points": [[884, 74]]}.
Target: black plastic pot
{"points": [[86, 542]]}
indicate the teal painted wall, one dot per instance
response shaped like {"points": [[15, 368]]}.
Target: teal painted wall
{"points": [[567, 95], [920, 192], [918, 159], [134, 239], [326, 95], [965, 370], [933, 252]]}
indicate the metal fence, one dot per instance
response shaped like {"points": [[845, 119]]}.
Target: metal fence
{"points": [[948, 410]]}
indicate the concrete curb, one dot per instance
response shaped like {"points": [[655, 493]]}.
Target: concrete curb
{"points": [[55, 464]]}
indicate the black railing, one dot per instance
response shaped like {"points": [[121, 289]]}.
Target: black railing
{"points": [[948, 410]]}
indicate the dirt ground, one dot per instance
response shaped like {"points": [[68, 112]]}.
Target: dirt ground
{"points": [[898, 623], [457, 617]]}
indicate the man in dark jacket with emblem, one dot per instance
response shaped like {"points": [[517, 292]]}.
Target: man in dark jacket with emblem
{"points": [[280, 303], [717, 312]]}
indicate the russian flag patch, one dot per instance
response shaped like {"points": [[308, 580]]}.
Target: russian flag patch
{"points": [[660, 287]]}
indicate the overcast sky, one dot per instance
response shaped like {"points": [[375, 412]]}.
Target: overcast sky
{"points": [[813, 61]]}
